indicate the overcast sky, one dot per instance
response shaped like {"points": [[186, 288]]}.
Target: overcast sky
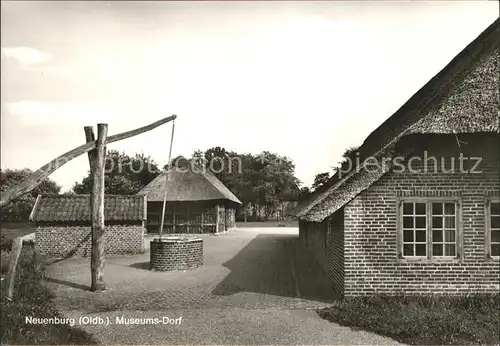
{"points": [[303, 79]]}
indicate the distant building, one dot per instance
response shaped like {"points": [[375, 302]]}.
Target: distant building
{"points": [[197, 202], [63, 224]]}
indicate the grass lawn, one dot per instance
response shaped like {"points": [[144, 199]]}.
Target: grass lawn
{"points": [[429, 320], [32, 298], [286, 223]]}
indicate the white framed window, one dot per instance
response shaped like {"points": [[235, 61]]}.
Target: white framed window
{"points": [[429, 229], [492, 233]]}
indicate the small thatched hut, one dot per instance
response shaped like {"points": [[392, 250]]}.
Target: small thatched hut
{"points": [[197, 202]]}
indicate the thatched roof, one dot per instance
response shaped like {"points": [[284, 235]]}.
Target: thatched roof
{"points": [[76, 208], [461, 98], [187, 181]]}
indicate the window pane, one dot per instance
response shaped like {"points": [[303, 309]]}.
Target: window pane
{"points": [[449, 222], [437, 208], [408, 250], [408, 222], [449, 208], [495, 235], [408, 208], [420, 222], [495, 208], [437, 236], [495, 249], [449, 250], [420, 209], [437, 222], [408, 235], [420, 250], [420, 236], [449, 236], [495, 222], [437, 250]]}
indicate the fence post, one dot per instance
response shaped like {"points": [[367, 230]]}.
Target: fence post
{"points": [[17, 245]]}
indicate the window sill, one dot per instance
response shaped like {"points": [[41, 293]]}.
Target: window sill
{"points": [[430, 261], [493, 259]]}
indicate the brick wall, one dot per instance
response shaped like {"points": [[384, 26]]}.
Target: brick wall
{"points": [[363, 256], [176, 254], [371, 252], [327, 248], [67, 241]]}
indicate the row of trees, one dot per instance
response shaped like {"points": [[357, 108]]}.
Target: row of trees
{"points": [[263, 180]]}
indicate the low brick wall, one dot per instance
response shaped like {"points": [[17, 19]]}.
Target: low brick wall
{"points": [[75, 241], [176, 253]]}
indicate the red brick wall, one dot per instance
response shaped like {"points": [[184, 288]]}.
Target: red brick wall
{"points": [[60, 241], [371, 261]]}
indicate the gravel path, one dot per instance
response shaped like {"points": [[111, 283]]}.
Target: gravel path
{"points": [[256, 287]]}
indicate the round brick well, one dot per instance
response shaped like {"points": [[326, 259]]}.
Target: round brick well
{"points": [[176, 253]]}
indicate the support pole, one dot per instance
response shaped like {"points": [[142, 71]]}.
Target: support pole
{"points": [[169, 169], [97, 200], [17, 245], [217, 218], [90, 137]]}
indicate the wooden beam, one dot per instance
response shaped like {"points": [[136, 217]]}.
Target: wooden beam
{"points": [[97, 197], [43, 172], [90, 137]]}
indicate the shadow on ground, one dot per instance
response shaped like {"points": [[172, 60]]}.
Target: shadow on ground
{"points": [[141, 265], [68, 283], [274, 264]]}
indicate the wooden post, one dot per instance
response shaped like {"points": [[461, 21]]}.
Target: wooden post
{"points": [[217, 218], [17, 245], [173, 220], [90, 137], [97, 197], [188, 219]]}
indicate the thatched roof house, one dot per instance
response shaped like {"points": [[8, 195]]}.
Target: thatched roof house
{"points": [[63, 223], [412, 215], [197, 202]]}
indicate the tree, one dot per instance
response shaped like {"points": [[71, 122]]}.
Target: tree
{"points": [[320, 180], [350, 160], [19, 209], [125, 175], [264, 180], [304, 193]]}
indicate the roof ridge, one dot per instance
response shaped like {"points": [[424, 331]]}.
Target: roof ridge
{"points": [[434, 82], [417, 110]]}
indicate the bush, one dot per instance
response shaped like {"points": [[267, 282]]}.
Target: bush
{"points": [[5, 243], [5, 259], [32, 298], [423, 319]]}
